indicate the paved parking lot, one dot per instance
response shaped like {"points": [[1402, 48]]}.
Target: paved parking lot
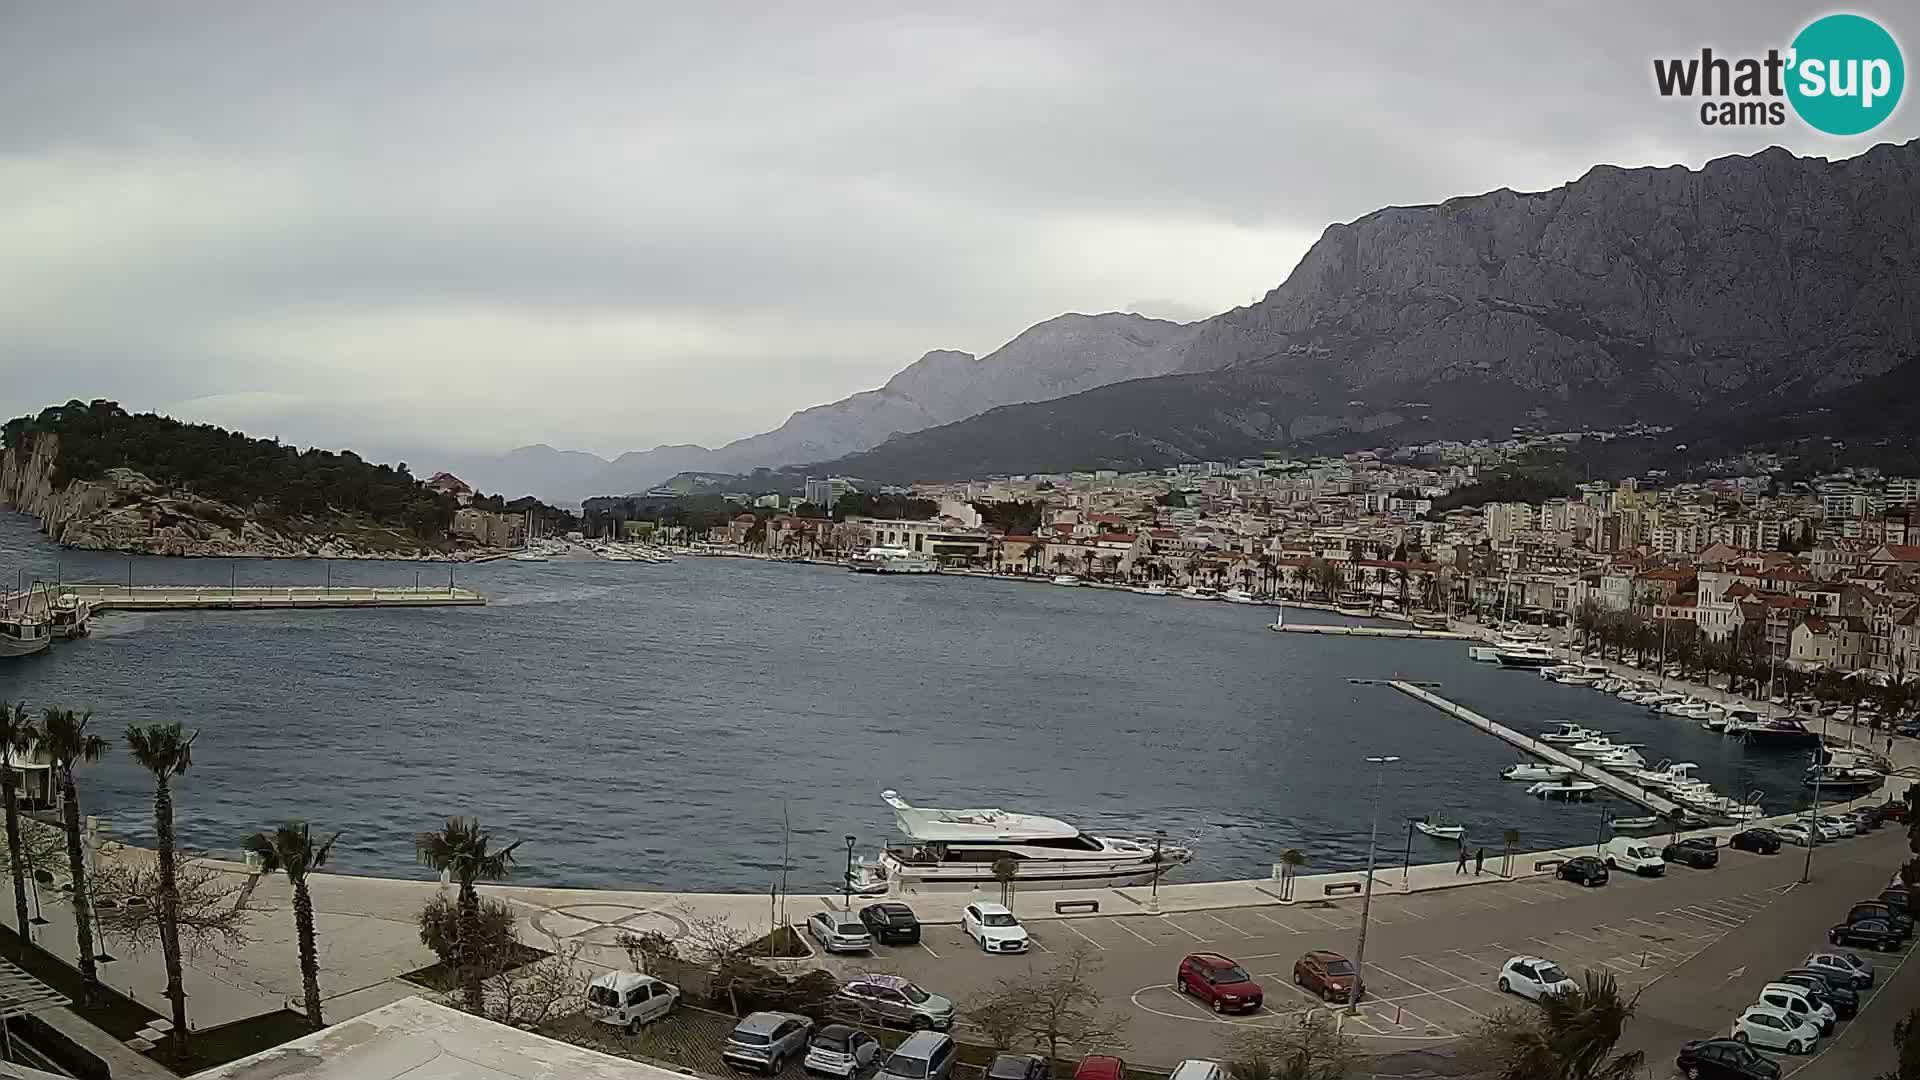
{"points": [[1432, 958]]}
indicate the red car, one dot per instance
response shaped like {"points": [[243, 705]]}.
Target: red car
{"points": [[1100, 1067], [1329, 975], [1218, 982]]}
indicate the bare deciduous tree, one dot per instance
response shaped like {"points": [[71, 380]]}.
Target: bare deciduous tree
{"points": [[1303, 1047], [1059, 1006], [527, 997], [126, 896], [647, 949]]}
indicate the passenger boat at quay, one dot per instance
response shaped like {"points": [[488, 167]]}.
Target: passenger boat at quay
{"points": [[961, 847], [891, 560]]}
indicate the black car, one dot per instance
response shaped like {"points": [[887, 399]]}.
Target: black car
{"points": [[1695, 851], [1844, 999], [1897, 896], [1872, 933], [1724, 1059], [1882, 911], [891, 923], [1018, 1067], [1585, 869], [1759, 841]]}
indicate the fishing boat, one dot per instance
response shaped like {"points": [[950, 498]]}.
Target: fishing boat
{"points": [[1598, 746], [1527, 770], [892, 560], [1564, 790], [68, 617], [1440, 832], [23, 635]]}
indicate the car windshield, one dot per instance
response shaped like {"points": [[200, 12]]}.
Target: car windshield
{"points": [[1008, 1067], [996, 919], [602, 995], [1339, 967], [751, 1038], [1232, 973], [1551, 974], [912, 1068]]}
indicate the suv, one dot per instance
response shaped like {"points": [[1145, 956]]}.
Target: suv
{"points": [[1329, 975], [839, 931], [893, 1000], [766, 1041], [1532, 977], [1698, 852], [925, 1055], [1627, 853], [891, 923], [1219, 983], [1761, 841]]}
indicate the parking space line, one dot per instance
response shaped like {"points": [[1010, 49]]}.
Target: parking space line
{"points": [[1187, 932], [927, 947], [1458, 981], [1713, 917], [1066, 925], [1351, 1019], [1581, 936], [1121, 923], [1724, 908], [1037, 943], [1316, 916], [1230, 926], [1277, 923]]}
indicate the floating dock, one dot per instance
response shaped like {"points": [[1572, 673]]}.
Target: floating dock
{"points": [[103, 597], [1368, 631], [1545, 752]]}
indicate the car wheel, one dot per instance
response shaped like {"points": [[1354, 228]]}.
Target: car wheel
{"points": [[1739, 1036], [633, 1026], [1693, 1072], [1217, 1007], [1505, 987], [777, 1066], [1793, 1046]]}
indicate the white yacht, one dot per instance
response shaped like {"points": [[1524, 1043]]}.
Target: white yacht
{"points": [[1667, 776], [1623, 757], [1239, 596], [1598, 746], [1151, 590], [1568, 790], [891, 560], [1199, 592], [960, 847], [22, 635], [1660, 700], [1570, 732], [1527, 770], [1525, 656]]}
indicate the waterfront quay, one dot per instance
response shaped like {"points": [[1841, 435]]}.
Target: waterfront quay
{"points": [[112, 597]]}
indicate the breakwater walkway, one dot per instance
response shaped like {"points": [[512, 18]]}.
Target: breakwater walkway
{"points": [[106, 597], [1552, 755], [1367, 631]]}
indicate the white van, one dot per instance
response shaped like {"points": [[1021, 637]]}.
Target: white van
{"points": [[1628, 853], [629, 1000]]}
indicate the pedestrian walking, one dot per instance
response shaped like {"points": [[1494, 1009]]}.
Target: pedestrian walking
{"points": [[1479, 861], [1462, 868]]}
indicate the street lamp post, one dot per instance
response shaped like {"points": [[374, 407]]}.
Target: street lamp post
{"points": [[846, 882], [1366, 901], [1153, 899], [1406, 864], [1600, 834], [1813, 808]]}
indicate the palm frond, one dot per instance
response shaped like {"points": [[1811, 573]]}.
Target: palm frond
{"points": [[162, 749], [67, 739], [459, 849], [18, 732]]}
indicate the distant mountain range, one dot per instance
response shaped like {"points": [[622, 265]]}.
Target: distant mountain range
{"points": [[1751, 286], [1063, 355]]}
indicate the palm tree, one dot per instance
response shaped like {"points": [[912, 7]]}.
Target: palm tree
{"points": [[18, 733], [290, 850], [1571, 1037], [69, 743], [1401, 574], [166, 751], [1061, 560], [459, 850]]}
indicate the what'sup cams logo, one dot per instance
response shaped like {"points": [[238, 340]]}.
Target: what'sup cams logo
{"points": [[1842, 75]]}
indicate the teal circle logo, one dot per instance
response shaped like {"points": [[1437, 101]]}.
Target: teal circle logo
{"points": [[1847, 74]]}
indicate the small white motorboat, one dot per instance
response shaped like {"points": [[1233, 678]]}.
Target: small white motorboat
{"points": [[1066, 579], [1569, 732], [1564, 790], [1527, 770], [1625, 757], [1239, 596], [1152, 590], [1440, 832], [1598, 746], [1635, 824]]}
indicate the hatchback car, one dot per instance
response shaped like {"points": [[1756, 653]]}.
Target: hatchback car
{"points": [[1795, 833], [1724, 1059], [1329, 975], [1218, 983], [1584, 870], [1867, 933], [1879, 909], [766, 1041], [1775, 1030], [1799, 1003], [1018, 1067], [994, 928], [1841, 965], [1533, 978], [839, 1050], [891, 923], [1698, 852], [1100, 1067], [1759, 841], [1893, 810], [1845, 826], [1840, 996], [890, 999], [1866, 817], [839, 931]]}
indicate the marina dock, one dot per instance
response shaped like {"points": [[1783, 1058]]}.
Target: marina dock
{"points": [[1552, 755], [104, 597], [1368, 631]]}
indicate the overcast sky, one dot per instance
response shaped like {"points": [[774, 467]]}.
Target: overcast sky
{"points": [[472, 226]]}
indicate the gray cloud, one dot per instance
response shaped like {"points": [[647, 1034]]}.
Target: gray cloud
{"points": [[607, 226]]}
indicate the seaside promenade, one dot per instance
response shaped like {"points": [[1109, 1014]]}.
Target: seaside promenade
{"points": [[112, 597]]}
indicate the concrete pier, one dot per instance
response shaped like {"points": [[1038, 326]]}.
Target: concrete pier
{"points": [[1367, 631], [1585, 769], [103, 597]]}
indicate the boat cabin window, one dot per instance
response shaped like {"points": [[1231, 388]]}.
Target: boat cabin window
{"points": [[1066, 843]]}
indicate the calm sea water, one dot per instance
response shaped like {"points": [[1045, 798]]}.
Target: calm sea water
{"points": [[648, 725]]}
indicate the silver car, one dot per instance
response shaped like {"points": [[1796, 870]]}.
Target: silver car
{"points": [[766, 1041], [891, 999], [840, 931]]}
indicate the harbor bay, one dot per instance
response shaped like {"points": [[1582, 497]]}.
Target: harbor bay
{"points": [[651, 725]]}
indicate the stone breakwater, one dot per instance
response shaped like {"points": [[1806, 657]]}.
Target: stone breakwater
{"points": [[125, 511]]}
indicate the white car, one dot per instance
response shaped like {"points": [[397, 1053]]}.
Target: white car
{"points": [[625, 999], [839, 931], [1847, 826], [1775, 1030], [1828, 833], [1789, 998], [1795, 833], [994, 928], [1533, 978]]}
